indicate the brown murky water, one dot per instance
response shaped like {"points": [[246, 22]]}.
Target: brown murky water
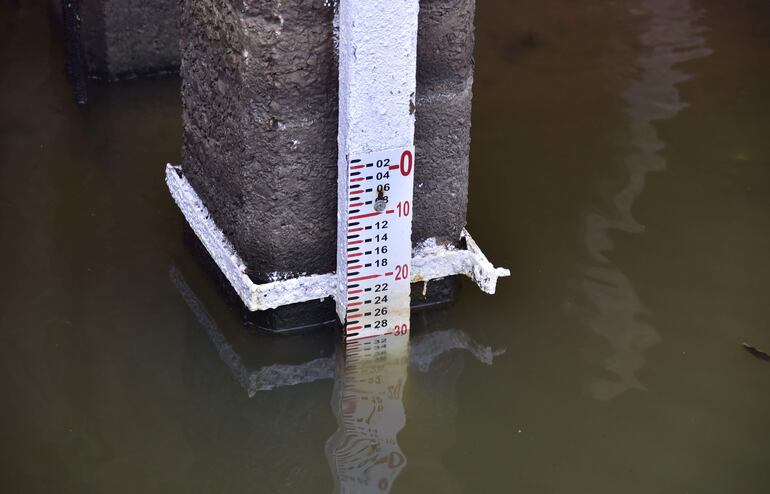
{"points": [[620, 167]]}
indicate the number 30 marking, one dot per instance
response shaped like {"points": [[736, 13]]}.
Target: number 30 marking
{"points": [[400, 329]]}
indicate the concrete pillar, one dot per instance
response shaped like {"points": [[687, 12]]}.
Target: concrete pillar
{"points": [[259, 98], [442, 129], [260, 131], [126, 38]]}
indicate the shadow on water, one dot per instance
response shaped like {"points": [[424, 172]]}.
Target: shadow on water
{"points": [[367, 399], [614, 309]]}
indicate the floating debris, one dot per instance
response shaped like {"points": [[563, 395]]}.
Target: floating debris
{"points": [[756, 352]]}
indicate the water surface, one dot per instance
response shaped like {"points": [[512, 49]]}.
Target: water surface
{"points": [[620, 166]]}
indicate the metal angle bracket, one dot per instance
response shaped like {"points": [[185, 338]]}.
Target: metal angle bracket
{"points": [[429, 260]]}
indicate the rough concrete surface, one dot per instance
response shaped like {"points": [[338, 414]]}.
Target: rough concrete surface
{"points": [[126, 38], [260, 128], [442, 130]]}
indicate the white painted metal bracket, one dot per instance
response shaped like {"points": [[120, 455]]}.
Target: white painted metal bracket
{"points": [[429, 259]]}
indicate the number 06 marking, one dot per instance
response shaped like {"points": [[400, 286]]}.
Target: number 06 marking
{"points": [[407, 162]]}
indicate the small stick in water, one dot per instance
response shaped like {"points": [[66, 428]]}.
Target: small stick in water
{"points": [[756, 352]]}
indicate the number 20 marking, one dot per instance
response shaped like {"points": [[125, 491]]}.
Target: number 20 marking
{"points": [[402, 272]]}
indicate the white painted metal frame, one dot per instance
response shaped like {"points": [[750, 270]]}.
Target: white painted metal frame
{"points": [[429, 260]]}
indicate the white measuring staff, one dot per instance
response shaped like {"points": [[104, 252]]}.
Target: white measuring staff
{"points": [[377, 64]]}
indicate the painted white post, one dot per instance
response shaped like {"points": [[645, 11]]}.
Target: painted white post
{"points": [[377, 65]]}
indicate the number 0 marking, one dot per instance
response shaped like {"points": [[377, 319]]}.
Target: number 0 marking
{"points": [[407, 162]]}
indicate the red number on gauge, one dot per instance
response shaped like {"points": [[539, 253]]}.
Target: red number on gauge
{"points": [[407, 163], [402, 272]]}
